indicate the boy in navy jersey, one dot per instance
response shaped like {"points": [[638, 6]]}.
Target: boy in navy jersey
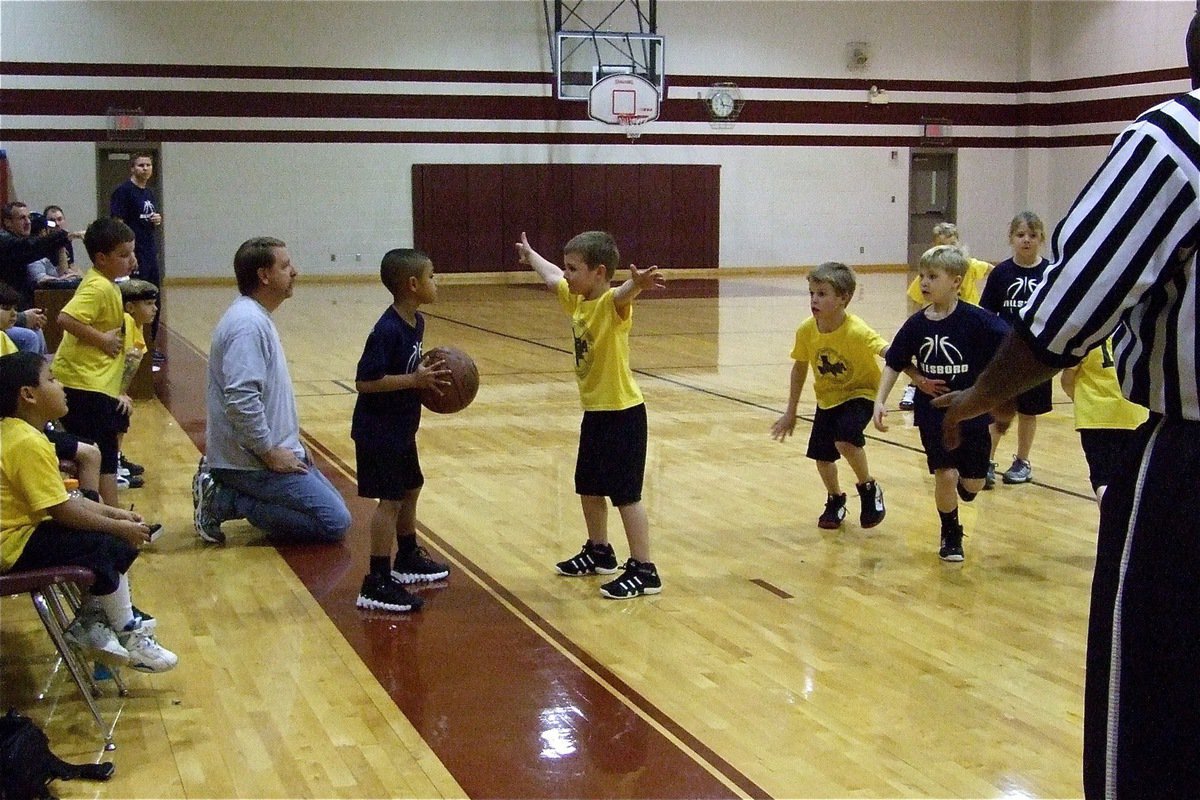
{"points": [[950, 341]]}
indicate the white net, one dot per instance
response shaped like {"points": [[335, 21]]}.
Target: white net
{"points": [[632, 125]]}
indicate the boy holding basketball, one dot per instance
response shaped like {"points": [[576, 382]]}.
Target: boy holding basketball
{"points": [[387, 414], [612, 440], [842, 350], [951, 341]]}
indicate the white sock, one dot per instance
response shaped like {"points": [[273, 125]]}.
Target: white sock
{"points": [[118, 606]]}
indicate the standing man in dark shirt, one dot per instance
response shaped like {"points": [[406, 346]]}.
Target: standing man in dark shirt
{"points": [[1125, 260], [134, 203]]}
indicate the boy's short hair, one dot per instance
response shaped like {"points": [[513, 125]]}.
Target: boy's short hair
{"points": [[598, 248], [140, 154], [837, 275], [9, 297], [136, 289], [105, 235], [947, 257], [945, 229], [17, 370], [399, 265], [253, 255]]}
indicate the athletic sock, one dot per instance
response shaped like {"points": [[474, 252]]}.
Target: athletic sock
{"points": [[405, 544], [949, 519], [381, 565], [118, 606]]}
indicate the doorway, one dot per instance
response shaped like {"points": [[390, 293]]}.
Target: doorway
{"points": [[932, 198]]}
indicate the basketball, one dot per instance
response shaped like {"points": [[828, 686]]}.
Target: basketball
{"points": [[464, 381]]}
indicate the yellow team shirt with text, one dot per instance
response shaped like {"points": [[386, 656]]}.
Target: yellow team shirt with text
{"points": [[601, 337], [1098, 399], [844, 361], [30, 483], [97, 302], [971, 288]]}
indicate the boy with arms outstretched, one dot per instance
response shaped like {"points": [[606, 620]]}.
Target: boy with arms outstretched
{"points": [[387, 414], [951, 341], [612, 439], [842, 350], [42, 526]]}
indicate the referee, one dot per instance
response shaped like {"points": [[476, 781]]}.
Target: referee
{"points": [[1125, 263]]}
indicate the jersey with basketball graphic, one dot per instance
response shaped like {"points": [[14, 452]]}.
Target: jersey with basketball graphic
{"points": [[844, 361], [1099, 402], [954, 349], [1010, 286]]}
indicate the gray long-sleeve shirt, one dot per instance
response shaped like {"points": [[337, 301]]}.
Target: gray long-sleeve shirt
{"points": [[251, 407]]}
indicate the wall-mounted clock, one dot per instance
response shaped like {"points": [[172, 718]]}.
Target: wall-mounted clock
{"points": [[724, 102]]}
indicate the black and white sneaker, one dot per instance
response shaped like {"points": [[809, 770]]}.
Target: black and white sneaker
{"points": [[909, 398], [204, 500], [127, 467], [639, 578], [835, 511], [951, 549], [385, 593], [418, 567], [873, 511], [593, 559]]}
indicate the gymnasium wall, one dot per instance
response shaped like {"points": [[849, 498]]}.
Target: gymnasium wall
{"points": [[304, 120]]}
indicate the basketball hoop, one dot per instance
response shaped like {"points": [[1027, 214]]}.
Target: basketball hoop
{"points": [[632, 124]]}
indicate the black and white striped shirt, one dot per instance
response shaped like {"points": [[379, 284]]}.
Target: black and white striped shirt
{"points": [[1125, 261]]}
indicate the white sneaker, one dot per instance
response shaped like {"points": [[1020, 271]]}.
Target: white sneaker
{"points": [[91, 633], [908, 398], [146, 654]]}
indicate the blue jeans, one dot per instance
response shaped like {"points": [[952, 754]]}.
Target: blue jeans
{"points": [[295, 506]]}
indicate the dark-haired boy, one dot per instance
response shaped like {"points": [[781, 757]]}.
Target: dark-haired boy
{"points": [[387, 414], [42, 526], [90, 360], [611, 463]]}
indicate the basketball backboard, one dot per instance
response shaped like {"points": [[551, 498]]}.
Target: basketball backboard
{"points": [[585, 57]]}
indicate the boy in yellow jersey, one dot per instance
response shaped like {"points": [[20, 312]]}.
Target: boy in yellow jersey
{"points": [[140, 300], [612, 439], [1104, 418], [971, 289], [843, 351], [42, 526], [90, 360]]}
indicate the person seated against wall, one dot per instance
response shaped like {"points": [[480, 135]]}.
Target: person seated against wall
{"points": [[47, 273], [17, 249], [55, 218]]}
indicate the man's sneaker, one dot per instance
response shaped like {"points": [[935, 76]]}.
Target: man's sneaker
{"points": [[201, 469], [91, 633], [385, 593], [1020, 472], [909, 397], [127, 466], [593, 559], [989, 480], [130, 481], [835, 512], [638, 578], [204, 498], [145, 619], [146, 654], [873, 511], [417, 567], [951, 549]]}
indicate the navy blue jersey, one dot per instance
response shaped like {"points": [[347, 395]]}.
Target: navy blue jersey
{"points": [[1009, 287], [954, 349], [393, 348], [134, 204]]}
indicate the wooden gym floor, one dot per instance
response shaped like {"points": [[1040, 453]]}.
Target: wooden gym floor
{"points": [[780, 660]]}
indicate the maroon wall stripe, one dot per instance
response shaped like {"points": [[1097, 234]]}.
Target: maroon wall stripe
{"points": [[287, 105], [545, 78], [611, 137], [478, 684]]}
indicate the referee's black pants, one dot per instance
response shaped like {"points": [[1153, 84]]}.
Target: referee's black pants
{"points": [[1142, 701]]}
